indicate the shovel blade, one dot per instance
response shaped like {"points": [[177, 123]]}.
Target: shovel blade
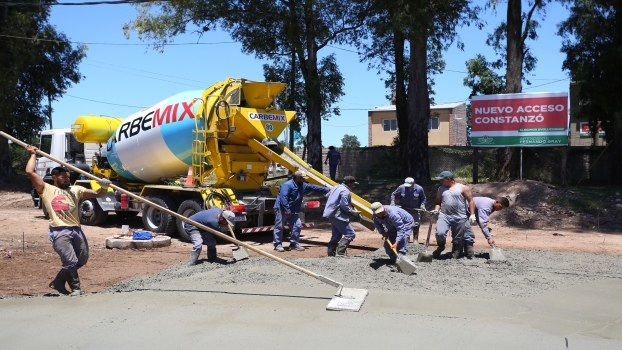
{"points": [[240, 253], [405, 265], [424, 257], [497, 255]]}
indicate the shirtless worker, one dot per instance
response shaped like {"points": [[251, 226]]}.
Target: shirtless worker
{"points": [[450, 200], [61, 202]]}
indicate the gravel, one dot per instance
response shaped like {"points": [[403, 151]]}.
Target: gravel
{"points": [[525, 274]]}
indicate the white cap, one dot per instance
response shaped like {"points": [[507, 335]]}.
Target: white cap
{"points": [[409, 182], [229, 216], [377, 207]]}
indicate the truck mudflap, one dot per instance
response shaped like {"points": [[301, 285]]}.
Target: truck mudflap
{"points": [[107, 202], [271, 228]]}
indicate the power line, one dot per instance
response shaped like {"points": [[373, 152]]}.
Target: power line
{"points": [[141, 75], [145, 71], [116, 44], [106, 103], [553, 82], [118, 2]]}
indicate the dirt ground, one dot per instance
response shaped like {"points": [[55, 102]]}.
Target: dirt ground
{"points": [[535, 220]]}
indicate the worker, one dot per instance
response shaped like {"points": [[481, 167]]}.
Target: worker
{"points": [[484, 207], [287, 209], [213, 218], [399, 224], [412, 199], [339, 212], [61, 202], [450, 200], [333, 157]]}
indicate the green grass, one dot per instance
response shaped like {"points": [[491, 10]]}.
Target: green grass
{"points": [[591, 199]]}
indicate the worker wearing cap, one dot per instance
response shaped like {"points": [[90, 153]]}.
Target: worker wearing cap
{"points": [[333, 157], [398, 223], [484, 207], [213, 218], [287, 209], [339, 211], [61, 200], [412, 199], [450, 200]]}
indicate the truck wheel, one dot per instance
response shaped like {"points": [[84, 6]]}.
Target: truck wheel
{"points": [[91, 214], [156, 221], [126, 214], [46, 215], [187, 208]]}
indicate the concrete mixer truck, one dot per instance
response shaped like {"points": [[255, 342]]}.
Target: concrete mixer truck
{"points": [[195, 150]]}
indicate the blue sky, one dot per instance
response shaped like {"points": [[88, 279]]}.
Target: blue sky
{"points": [[127, 78]]}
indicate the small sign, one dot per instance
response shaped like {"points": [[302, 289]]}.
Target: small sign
{"points": [[584, 130]]}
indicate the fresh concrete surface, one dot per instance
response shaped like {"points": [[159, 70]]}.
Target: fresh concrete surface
{"points": [[533, 301]]}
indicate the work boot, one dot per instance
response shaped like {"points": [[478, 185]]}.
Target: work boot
{"points": [[416, 234], [455, 251], [194, 256], [441, 247], [469, 252], [211, 254], [279, 248], [332, 249], [59, 282], [296, 246], [342, 246], [74, 282]]}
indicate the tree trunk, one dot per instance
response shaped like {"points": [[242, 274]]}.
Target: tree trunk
{"points": [[314, 119], [6, 167], [508, 157], [415, 149], [617, 155], [401, 104]]}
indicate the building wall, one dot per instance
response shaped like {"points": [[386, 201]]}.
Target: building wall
{"points": [[451, 131]]}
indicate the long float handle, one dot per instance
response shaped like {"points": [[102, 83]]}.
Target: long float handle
{"points": [[183, 218]]}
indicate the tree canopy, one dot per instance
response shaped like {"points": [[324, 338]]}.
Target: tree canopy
{"points": [[31, 70], [350, 141]]}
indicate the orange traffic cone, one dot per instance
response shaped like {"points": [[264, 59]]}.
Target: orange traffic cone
{"points": [[189, 178]]}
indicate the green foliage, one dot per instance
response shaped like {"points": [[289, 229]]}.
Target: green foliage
{"points": [[350, 141], [19, 158], [593, 43], [482, 79]]}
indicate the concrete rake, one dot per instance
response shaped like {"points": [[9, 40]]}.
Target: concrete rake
{"points": [[496, 254], [426, 256], [345, 299], [239, 253]]}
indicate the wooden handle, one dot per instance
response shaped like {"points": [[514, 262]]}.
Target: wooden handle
{"points": [[181, 217]]}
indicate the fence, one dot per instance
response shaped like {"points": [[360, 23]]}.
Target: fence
{"points": [[542, 164]]}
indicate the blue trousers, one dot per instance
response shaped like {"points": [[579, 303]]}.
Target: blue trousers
{"points": [[280, 220], [341, 229], [69, 242], [333, 170], [401, 245], [461, 231], [197, 237]]}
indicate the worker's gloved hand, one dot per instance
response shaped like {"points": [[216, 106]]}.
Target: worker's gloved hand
{"points": [[491, 241], [422, 206], [472, 219], [104, 183], [355, 215], [392, 204], [434, 212]]}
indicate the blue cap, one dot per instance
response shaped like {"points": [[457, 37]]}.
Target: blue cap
{"points": [[444, 175]]}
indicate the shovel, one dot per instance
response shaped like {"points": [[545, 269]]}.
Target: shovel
{"points": [[496, 254], [239, 253], [405, 265], [427, 256]]}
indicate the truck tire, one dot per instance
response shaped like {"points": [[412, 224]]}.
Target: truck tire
{"points": [[187, 208], [46, 215], [126, 214], [156, 221], [91, 214]]}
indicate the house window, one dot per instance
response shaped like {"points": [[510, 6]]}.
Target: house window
{"points": [[389, 125], [433, 124]]}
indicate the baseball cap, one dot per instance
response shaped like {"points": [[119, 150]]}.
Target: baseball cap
{"points": [[301, 173], [349, 179], [409, 181], [377, 207], [229, 216], [445, 174]]}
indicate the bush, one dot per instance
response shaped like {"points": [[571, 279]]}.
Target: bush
{"points": [[19, 158]]}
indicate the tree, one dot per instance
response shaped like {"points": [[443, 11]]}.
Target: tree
{"points": [[31, 70], [350, 141], [270, 29], [429, 27], [593, 46], [517, 59]]}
